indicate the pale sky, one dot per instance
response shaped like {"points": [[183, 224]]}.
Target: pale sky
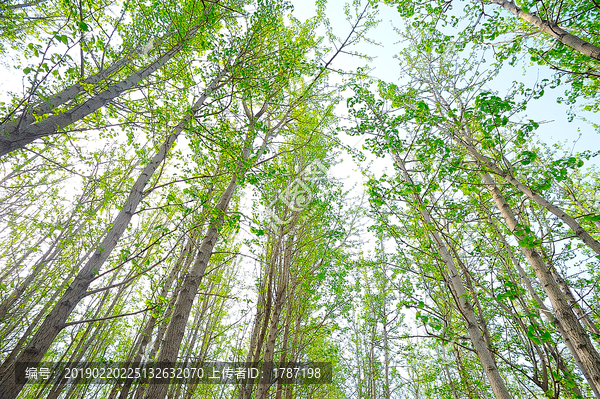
{"points": [[386, 68]]}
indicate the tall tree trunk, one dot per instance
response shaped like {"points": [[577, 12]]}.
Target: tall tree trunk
{"points": [[570, 221], [17, 349], [13, 354], [54, 322], [481, 348], [543, 309], [464, 373], [261, 322], [447, 371], [201, 311], [84, 342], [581, 313], [151, 356], [185, 300], [146, 333], [294, 349], [569, 324], [27, 117], [263, 389], [552, 29], [20, 137], [11, 270], [386, 356], [263, 310], [51, 253], [284, 347]]}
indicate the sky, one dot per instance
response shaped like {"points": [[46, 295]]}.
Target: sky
{"points": [[557, 128], [579, 134]]}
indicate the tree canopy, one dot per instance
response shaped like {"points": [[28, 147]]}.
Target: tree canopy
{"points": [[172, 198]]}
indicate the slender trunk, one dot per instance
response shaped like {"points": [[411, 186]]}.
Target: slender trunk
{"points": [[386, 359], [581, 313], [263, 303], [185, 300], [13, 269], [283, 355], [481, 348], [85, 342], [201, 311], [18, 291], [570, 221], [27, 117], [51, 253], [204, 346], [262, 323], [146, 334], [531, 316], [568, 191], [447, 371], [151, 356], [10, 141], [141, 388], [482, 322], [552, 29], [294, 349], [263, 389], [463, 372], [94, 348], [574, 334], [16, 350], [543, 309], [130, 356], [54, 322], [372, 367], [13, 354]]}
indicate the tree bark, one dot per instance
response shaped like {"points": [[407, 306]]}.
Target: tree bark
{"points": [[18, 138], [146, 334], [448, 376], [185, 300], [263, 389], [581, 313], [552, 29], [27, 117], [84, 342], [570, 326], [579, 231], [284, 348], [261, 321], [51, 253], [481, 348], [54, 322]]}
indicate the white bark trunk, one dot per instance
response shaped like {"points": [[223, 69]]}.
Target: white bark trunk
{"points": [[481, 348], [54, 322], [18, 138], [552, 29], [569, 326], [579, 231]]}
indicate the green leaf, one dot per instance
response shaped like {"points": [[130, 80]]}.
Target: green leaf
{"points": [[531, 333], [527, 157], [546, 337]]}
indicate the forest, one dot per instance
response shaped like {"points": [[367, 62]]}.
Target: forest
{"points": [[325, 199]]}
